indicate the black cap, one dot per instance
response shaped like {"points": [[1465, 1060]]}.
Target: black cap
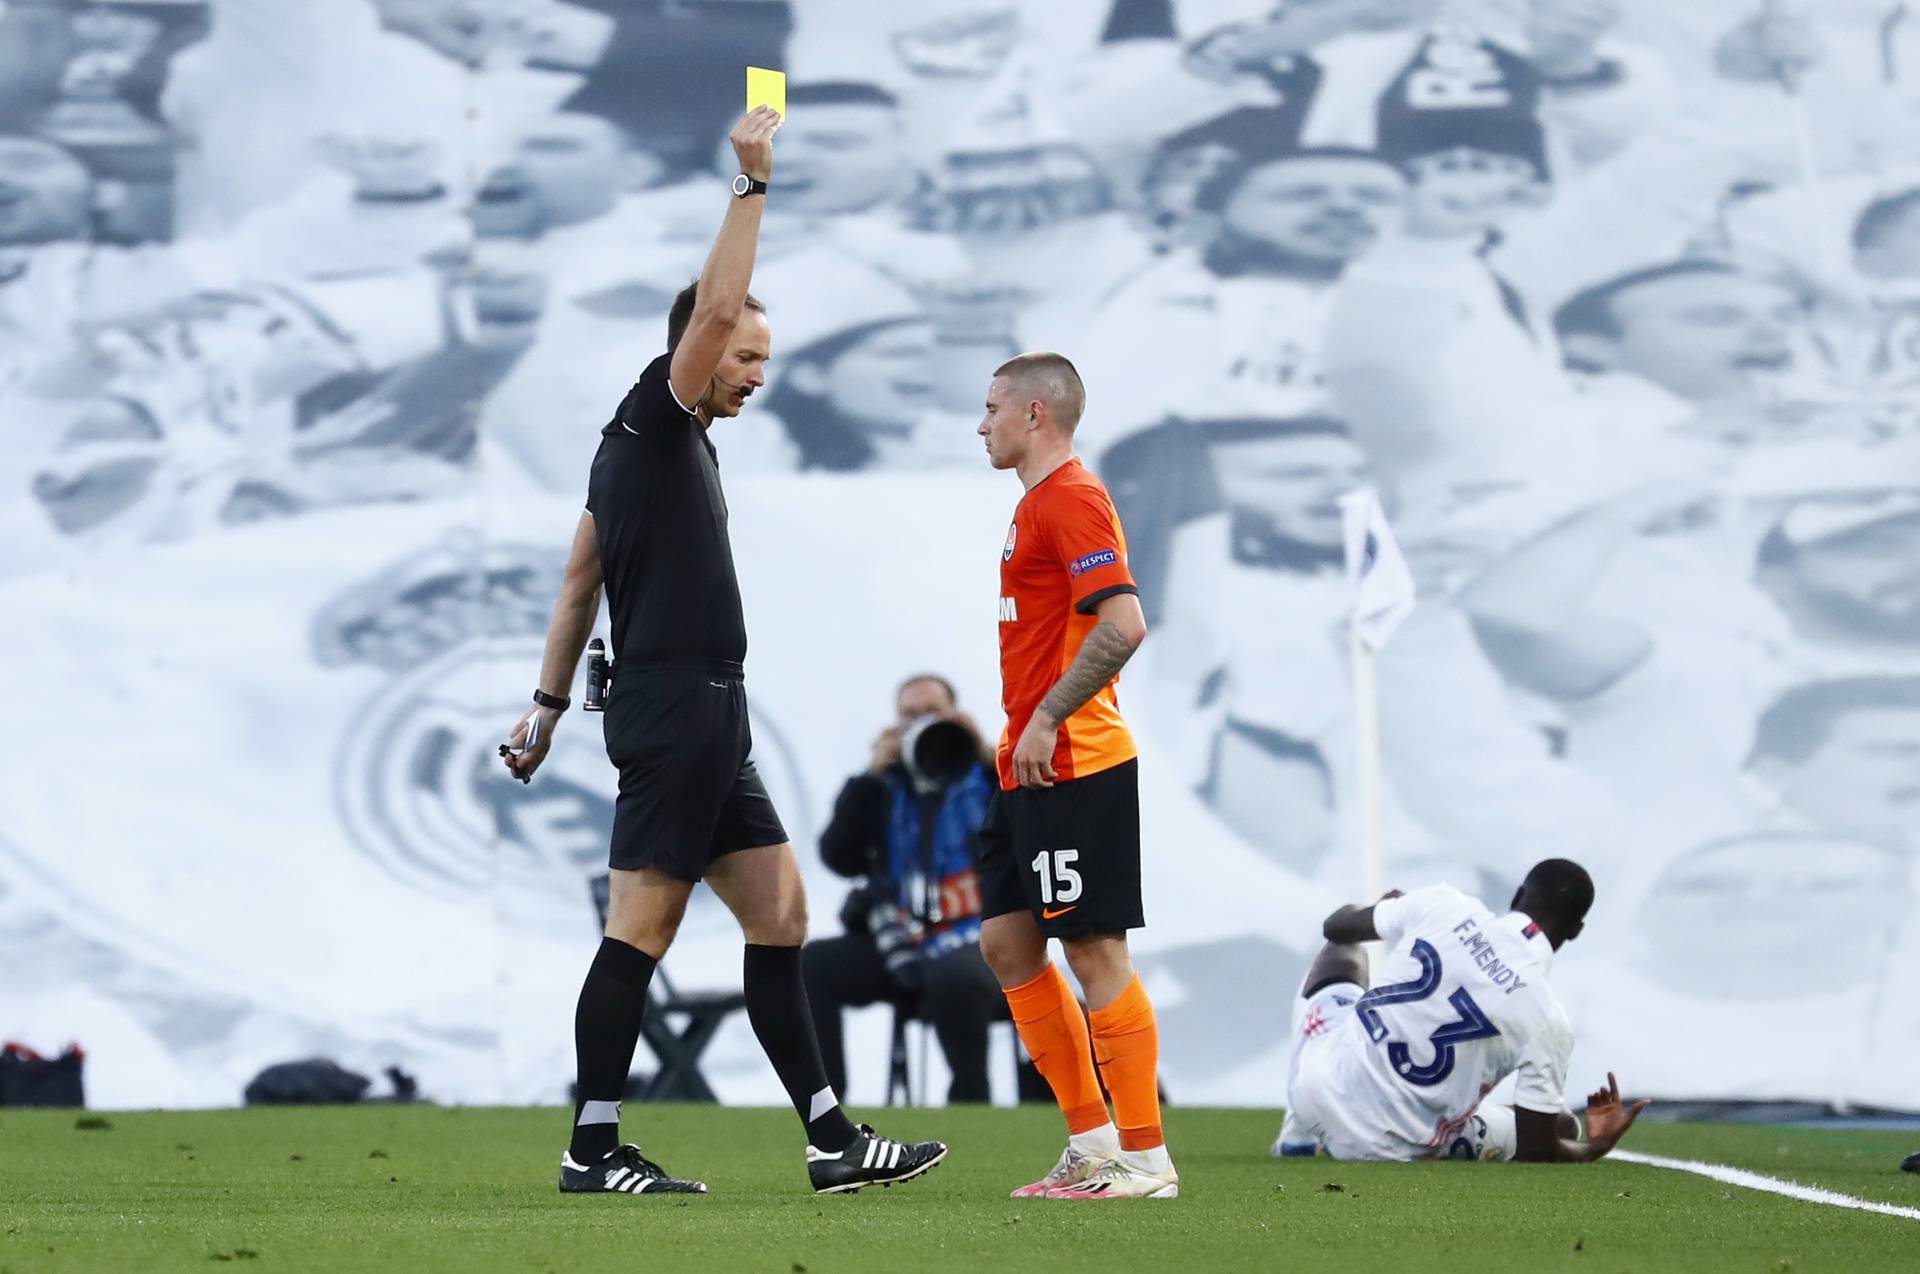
{"points": [[1407, 135]]}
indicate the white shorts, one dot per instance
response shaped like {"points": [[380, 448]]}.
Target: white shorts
{"points": [[1324, 1092]]}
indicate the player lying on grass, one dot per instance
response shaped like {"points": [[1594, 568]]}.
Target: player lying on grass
{"points": [[1398, 1071]]}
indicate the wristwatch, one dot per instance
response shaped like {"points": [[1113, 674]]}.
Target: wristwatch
{"points": [[555, 702], [744, 185]]}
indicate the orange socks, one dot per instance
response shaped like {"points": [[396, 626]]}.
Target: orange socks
{"points": [[1047, 1016], [1126, 1040]]}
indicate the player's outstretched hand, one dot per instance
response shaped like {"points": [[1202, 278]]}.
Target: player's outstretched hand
{"points": [[1033, 755], [1607, 1119], [752, 141], [521, 760]]}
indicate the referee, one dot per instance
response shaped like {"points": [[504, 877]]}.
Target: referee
{"points": [[691, 805]]}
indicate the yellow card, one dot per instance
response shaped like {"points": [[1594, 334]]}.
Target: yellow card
{"points": [[767, 88]]}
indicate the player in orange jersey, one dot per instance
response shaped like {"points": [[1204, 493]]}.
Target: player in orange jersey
{"points": [[1060, 852]]}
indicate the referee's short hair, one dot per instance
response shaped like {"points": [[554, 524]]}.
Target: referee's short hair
{"points": [[681, 312], [1051, 377]]}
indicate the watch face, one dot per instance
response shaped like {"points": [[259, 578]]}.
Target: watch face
{"points": [[742, 184]]}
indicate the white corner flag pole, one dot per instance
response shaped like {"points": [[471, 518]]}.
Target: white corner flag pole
{"points": [[1366, 737], [1383, 592]]}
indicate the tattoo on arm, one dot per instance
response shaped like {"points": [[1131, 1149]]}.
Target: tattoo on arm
{"points": [[1101, 655]]}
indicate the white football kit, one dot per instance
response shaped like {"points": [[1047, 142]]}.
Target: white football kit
{"points": [[1398, 1071]]}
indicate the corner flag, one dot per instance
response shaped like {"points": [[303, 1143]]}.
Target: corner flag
{"points": [[1382, 582]]}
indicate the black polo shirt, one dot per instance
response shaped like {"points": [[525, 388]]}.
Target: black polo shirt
{"points": [[661, 521]]}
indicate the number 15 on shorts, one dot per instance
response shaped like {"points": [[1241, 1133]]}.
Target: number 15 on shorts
{"points": [[1059, 882]]}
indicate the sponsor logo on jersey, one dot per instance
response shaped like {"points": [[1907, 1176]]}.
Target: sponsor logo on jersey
{"points": [[1092, 562], [1009, 613]]}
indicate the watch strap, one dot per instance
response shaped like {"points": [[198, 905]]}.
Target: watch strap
{"points": [[556, 702]]}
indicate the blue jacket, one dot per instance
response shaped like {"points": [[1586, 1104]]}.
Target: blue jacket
{"points": [[876, 831]]}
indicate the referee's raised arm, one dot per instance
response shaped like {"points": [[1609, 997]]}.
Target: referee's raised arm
{"points": [[722, 293]]}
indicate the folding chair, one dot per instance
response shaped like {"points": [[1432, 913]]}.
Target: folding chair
{"points": [[679, 1077], [900, 1086]]}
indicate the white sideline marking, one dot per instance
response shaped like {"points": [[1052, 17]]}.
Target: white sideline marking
{"points": [[1771, 1185]]}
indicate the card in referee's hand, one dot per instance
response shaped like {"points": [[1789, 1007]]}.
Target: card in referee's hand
{"points": [[767, 88]]}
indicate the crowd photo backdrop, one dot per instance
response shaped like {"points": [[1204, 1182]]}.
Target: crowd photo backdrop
{"points": [[311, 312]]}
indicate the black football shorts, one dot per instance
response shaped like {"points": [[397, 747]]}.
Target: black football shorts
{"points": [[688, 793], [1070, 854]]}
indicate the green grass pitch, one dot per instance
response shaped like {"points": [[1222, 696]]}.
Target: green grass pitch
{"points": [[472, 1190]]}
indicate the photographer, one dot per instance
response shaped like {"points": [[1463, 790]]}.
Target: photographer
{"points": [[913, 926]]}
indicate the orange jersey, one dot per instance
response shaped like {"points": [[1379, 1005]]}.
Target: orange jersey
{"points": [[1065, 554]]}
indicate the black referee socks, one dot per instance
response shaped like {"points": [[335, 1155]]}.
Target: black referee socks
{"points": [[777, 1007], [606, 1028]]}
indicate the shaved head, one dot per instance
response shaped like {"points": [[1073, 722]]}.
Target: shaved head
{"points": [[1051, 379]]}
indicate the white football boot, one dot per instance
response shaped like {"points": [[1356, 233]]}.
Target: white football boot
{"points": [[1074, 1167], [1131, 1176]]}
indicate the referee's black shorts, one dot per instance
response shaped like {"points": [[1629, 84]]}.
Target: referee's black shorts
{"points": [[1070, 854], [688, 793]]}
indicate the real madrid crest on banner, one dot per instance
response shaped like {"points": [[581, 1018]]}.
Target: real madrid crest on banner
{"points": [[417, 780]]}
